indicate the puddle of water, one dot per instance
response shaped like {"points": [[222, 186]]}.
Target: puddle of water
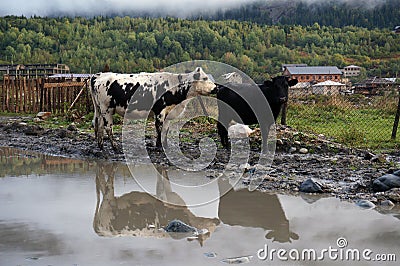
{"points": [[58, 211]]}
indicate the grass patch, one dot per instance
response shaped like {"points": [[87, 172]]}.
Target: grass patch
{"points": [[8, 114], [353, 125]]}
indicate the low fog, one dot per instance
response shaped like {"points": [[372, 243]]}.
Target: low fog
{"points": [[178, 8]]}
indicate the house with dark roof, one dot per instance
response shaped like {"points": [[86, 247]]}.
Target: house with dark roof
{"points": [[372, 85], [313, 74], [292, 65]]}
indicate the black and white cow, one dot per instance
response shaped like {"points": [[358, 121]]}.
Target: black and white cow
{"points": [[112, 92], [138, 213], [275, 92]]}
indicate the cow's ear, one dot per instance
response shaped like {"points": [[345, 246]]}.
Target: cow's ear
{"points": [[198, 69], [268, 83], [292, 82]]}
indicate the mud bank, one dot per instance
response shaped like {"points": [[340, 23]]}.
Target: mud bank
{"points": [[338, 171]]}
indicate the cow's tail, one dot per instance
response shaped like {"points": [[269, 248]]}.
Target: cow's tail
{"points": [[96, 106]]}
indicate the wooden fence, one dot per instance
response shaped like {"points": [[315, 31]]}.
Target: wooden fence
{"points": [[22, 95], [17, 162]]}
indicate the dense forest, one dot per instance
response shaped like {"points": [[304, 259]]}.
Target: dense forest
{"points": [[129, 44], [335, 13]]}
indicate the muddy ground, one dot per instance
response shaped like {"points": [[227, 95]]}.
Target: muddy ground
{"points": [[341, 172]]}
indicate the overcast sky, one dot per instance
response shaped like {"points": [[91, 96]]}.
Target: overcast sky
{"points": [[102, 7], [180, 8]]}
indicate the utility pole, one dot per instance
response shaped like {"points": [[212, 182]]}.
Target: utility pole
{"points": [[396, 119]]}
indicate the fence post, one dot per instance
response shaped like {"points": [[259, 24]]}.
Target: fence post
{"points": [[89, 103], [40, 87], [25, 96], [3, 95], [7, 100], [396, 119]]}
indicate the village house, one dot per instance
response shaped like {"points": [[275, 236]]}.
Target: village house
{"points": [[300, 89], [328, 87], [372, 85], [33, 70], [351, 71], [313, 74]]}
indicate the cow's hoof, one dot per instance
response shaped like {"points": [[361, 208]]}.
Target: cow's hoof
{"points": [[118, 150], [159, 148]]}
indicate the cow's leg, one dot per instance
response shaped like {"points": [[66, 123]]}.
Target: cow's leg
{"points": [[222, 126], [223, 134], [163, 186], [108, 125], [264, 139], [223, 123], [96, 112], [96, 126], [159, 125], [96, 122], [164, 134], [99, 131]]}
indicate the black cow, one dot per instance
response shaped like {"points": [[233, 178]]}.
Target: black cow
{"points": [[275, 92], [254, 209]]}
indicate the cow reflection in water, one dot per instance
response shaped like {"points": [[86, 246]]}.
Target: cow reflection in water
{"points": [[255, 209], [140, 214]]}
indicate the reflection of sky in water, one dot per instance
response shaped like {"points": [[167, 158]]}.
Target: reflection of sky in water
{"points": [[50, 217]]}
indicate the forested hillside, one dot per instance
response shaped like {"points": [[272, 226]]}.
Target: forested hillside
{"points": [[336, 13], [142, 44]]}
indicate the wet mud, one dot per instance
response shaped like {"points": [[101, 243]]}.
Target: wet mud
{"points": [[339, 171]]}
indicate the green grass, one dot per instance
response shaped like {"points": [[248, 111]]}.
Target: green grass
{"points": [[362, 127], [8, 114]]}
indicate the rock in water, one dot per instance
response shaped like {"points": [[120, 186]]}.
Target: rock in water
{"points": [[366, 204], [177, 226], [387, 182], [387, 204], [210, 254], [310, 186], [238, 260]]}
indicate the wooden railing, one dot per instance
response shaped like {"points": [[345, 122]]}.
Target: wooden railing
{"points": [[22, 95]]}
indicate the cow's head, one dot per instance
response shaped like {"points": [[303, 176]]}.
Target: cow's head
{"points": [[201, 83], [278, 88]]}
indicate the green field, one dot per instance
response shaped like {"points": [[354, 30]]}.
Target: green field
{"points": [[357, 125]]}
